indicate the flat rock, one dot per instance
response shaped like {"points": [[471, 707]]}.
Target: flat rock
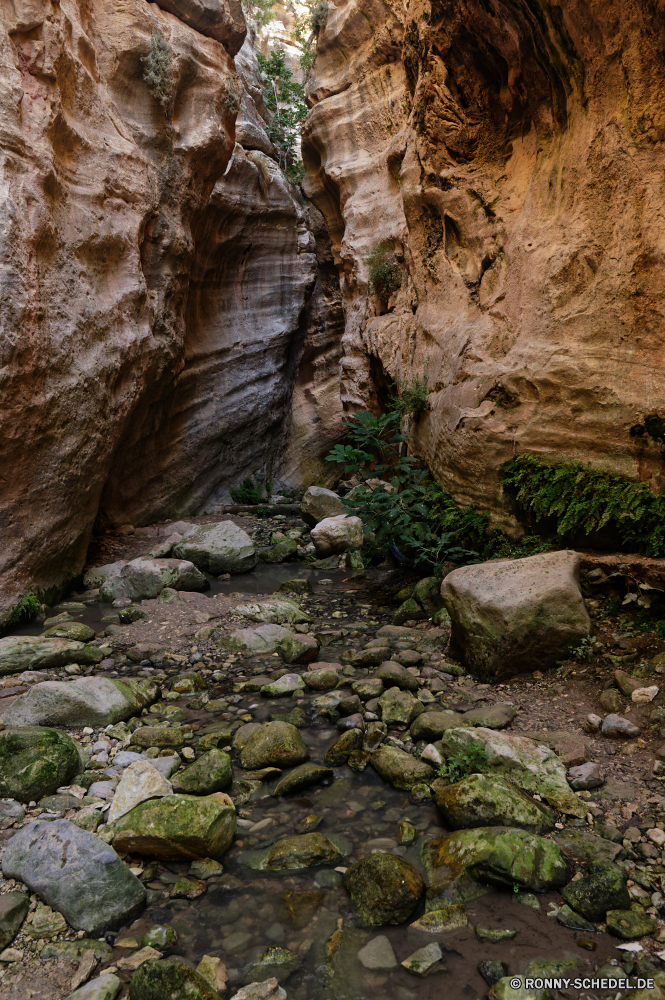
{"points": [[284, 686], [85, 701], [35, 652], [273, 612], [104, 987], [510, 614], [140, 781], [480, 800], [629, 924], [492, 717], [178, 827], [262, 639], [218, 548], [302, 777], [160, 978], [304, 851], [55, 859], [448, 918], [378, 954], [425, 960], [154, 736], [71, 630]]}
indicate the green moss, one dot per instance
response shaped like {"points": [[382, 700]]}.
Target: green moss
{"points": [[26, 608]]}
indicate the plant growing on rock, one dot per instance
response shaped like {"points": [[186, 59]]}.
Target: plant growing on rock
{"points": [[158, 69], [385, 274], [412, 398], [26, 609], [258, 13], [285, 101], [462, 763], [248, 492]]}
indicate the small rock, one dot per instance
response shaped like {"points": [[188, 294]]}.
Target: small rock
{"points": [[644, 695], [431, 755], [189, 888], [616, 725], [302, 777], [336, 534], [586, 776], [35, 761], [593, 723], [425, 960], [161, 938], [384, 889], [629, 924], [448, 918], [378, 954], [140, 781], [178, 827], [205, 868], [210, 773], [85, 970], [494, 935], [274, 744], [267, 990], [610, 700], [159, 978], [286, 685], [569, 918], [295, 648], [304, 851]]}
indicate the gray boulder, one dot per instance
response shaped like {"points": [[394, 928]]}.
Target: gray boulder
{"points": [[145, 578], [281, 612], [95, 577], [262, 639], [37, 652], [218, 548], [510, 615], [75, 873], [337, 534], [85, 701], [318, 504], [35, 762]]}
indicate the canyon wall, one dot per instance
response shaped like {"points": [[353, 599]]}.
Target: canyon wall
{"points": [[510, 157]]}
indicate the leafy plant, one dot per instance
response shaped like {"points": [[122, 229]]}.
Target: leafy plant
{"points": [[468, 761], [247, 493], [385, 274], [581, 498], [285, 101], [587, 648], [319, 15], [412, 396], [158, 69], [258, 13], [660, 629], [26, 609]]}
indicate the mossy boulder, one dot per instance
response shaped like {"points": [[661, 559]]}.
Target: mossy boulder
{"points": [[479, 800], [297, 648], [348, 743], [427, 593], [400, 768], [178, 827], [210, 773], [603, 889], [409, 611], [275, 744], [629, 924], [431, 725], [305, 851], [399, 708], [38, 652], [71, 630], [35, 761], [384, 889], [302, 777], [162, 978], [499, 855]]}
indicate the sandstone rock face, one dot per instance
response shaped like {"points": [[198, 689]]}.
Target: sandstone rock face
{"points": [[510, 615], [219, 19], [484, 143]]}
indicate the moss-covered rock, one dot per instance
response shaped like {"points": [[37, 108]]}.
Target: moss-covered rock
{"points": [[305, 851], [384, 889], [603, 889], [302, 777], [275, 744], [400, 768], [498, 855], [71, 630], [393, 674], [427, 593], [298, 648], [399, 708], [210, 773], [348, 743], [178, 827], [162, 978], [409, 611], [35, 761], [479, 800], [432, 724], [629, 924]]}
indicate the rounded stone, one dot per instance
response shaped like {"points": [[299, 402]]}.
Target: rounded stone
{"points": [[384, 889], [275, 744]]}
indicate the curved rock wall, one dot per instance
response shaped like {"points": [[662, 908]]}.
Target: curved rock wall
{"points": [[512, 156]]}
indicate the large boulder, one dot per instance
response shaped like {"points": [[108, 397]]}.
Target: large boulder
{"points": [[262, 639], [84, 701], [499, 855], [384, 889], [525, 763], [218, 548], [76, 873], [337, 534], [483, 801], [145, 578], [178, 827], [35, 762], [275, 744], [282, 612], [38, 652], [318, 504], [140, 782], [512, 615]]}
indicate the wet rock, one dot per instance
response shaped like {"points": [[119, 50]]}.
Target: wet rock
{"points": [[493, 717], [366, 690], [350, 706], [492, 972], [430, 725], [161, 938], [84, 701], [629, 924], [296, 717], [617, 726], [494, 935], [321, 680], [35, 761], [610, 700], [479, 800], [399, 708], [145, 578], [296, 586], [178, 827], [14, 907], [574, 921], [448, 918], [267, 990], [55, 859], [509, 614], [384, 889], [525, 763], [499, 855], [286, 685], [35, 652], [71, 630], [205, 868], [172, 738], [273, 612], [348, 743], [104, 987], [406, 832], [169, 977], [506, 989], [378, 954], [210, 773], [302, 777], [603, 888], [298, 648], [304, 851], [336, 534], [275, 744], [318, 503], [582, 845], [427, 593], [275, 962], [218, 548], [393, 674], [400, 768], [262, 639], [585, 776], [133, 614], [139, 782], [425, 960], [371, 657], [409, 611], [279, 552]]}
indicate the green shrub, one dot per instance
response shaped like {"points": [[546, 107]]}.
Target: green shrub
{"points": [[247, 493], [258, 13], [582, 499], [412, 396], [26, 609], [318, 16], [385, 275], [158, 69], [462, 763]]}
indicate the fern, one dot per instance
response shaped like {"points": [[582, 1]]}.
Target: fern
{"points": [[581, 498]]}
